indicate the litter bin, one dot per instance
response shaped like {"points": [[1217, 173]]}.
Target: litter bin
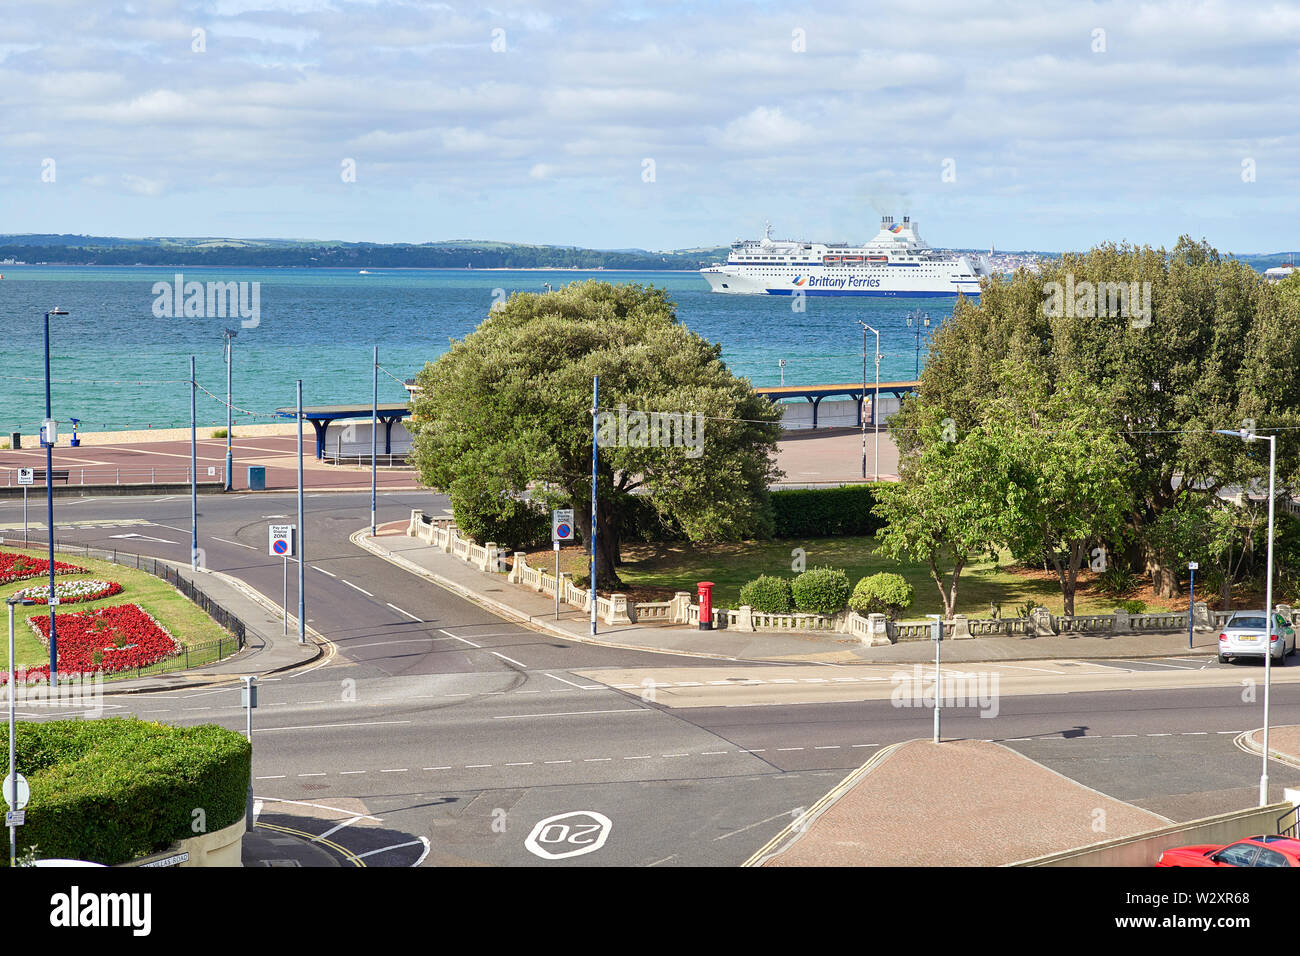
{"points": [[15, 440], [257, 478]]}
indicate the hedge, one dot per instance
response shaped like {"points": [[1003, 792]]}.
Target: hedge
{"points": [[513, 523], [118, 788], [824, 512], [768, 594], [821, 591], [882, 593]]}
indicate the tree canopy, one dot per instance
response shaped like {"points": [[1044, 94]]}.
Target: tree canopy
{"points": [[507, 412], [1172, 345]]}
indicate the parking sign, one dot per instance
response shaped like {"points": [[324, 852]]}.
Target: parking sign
{"points": [[281, 542], [562, 524]]}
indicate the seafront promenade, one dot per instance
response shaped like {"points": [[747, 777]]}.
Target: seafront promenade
{"points": [[145, 458]]}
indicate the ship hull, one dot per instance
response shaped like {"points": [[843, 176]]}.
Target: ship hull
{"points": [[857, 284]]}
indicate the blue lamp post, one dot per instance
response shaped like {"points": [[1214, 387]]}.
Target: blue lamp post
{"points": [[49, 435]]}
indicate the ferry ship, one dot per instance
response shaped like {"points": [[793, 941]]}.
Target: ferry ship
{"points": [[897, 262]]}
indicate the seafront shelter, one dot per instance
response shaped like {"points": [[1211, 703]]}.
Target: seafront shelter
{"points": [[836, 414], [322, 416]]}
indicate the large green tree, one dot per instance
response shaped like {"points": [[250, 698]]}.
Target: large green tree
{"points": [[1216, 348], [938, 513], [1061, 484], [507, 411]]}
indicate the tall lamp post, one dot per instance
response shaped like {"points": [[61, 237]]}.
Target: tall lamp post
{"points": [[49, 435], [875, 403], [13, 694], [1268, 597], [916, 319], [229, 334]]}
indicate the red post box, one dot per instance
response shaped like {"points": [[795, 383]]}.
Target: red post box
{"points": [[706, 605]]}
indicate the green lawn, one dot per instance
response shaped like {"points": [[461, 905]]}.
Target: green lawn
{"points": [[186, 622], [679, 565]]}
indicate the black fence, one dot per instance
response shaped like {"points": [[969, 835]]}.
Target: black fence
{"points": [[207, 652]]}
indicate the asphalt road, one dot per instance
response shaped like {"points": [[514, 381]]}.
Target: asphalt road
{"points": [[444, 735]]}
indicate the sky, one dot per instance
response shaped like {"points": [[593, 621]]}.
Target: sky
{"points": [[1026, 125]]}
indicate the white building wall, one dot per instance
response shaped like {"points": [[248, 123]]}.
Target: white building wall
{"points": [[354, 438]]}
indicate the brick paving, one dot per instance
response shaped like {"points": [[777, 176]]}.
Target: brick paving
{"points": [[960, 803]]}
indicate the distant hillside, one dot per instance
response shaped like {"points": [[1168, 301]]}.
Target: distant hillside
{"points": [[454, 254], [448, 254]]}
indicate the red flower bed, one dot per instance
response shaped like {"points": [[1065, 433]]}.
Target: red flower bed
{"points": [[20, 567], [123, 637]]}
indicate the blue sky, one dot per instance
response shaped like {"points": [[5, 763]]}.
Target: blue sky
{"points": [[655, 125]]}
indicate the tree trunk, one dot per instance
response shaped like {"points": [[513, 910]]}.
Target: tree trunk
{"points": [[606, 540], [1164, 578]]}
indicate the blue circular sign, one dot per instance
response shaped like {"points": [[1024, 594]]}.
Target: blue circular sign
{"points": [[562, 530], [281, 546]]}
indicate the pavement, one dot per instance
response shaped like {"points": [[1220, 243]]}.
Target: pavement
{"points": [[137, 462], [959, 803], [536, 610]]}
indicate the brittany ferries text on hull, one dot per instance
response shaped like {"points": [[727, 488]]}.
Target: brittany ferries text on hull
{"points": [[897, 262]]}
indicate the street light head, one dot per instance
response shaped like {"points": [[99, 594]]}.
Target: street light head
{"points": [[57, 311], [231, 333]]}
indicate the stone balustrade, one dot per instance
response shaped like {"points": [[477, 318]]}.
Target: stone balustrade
{"points": [[873, 629]]}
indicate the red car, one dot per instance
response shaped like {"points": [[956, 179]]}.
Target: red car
{"points": [[1254, 851]]}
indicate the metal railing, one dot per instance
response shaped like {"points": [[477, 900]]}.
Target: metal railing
{"points": [[103, 475], [193, 655], [1289, 829]]}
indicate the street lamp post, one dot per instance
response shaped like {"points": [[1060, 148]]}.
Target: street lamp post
{"points": [[13, 831], [1268, 598], [229, 334], [875, 402], [916, 319], [49, 435]]}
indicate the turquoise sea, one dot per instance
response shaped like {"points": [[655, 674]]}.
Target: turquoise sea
{"points": [[116, 365]]}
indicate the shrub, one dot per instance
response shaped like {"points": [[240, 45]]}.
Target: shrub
{"points": [[821, 591], [768, 594], [511, 522], [882, 593], [1116, 580], [115, 789], [823, 512], [218, 433], [1133, 607]]}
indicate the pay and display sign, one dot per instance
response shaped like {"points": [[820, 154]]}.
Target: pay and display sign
{"points": [[562, 524], [282, 540]]}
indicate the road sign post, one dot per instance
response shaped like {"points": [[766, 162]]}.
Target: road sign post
{"points": [[936, 635], [561, 530], [281, 545], [1191, 602], [26, 478]]}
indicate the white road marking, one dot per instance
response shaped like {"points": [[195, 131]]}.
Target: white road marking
{"points": [[385, 849], [510, 660], [582, 686], [323, 571], [336, 829], [459, 638], [571, 713], [369, 723], [400, 611], [355, 588], [235, 543], [751, 826], [398, 770]]}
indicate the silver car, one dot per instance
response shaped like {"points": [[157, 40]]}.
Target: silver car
{"points": [[1244, 636]]}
